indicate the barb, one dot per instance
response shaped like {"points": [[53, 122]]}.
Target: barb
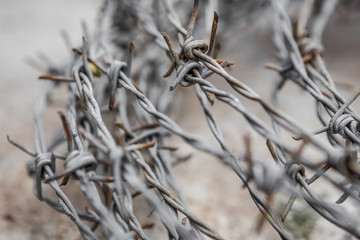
{"points": [[117, 128]]}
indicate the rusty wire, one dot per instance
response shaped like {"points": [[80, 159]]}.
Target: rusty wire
{"points": [[117, 129]]}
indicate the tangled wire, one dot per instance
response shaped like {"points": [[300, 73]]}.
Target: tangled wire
{"points": [[117, 130]]}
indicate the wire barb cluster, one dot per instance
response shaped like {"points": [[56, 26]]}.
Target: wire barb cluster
{"points": [[117, 129]]}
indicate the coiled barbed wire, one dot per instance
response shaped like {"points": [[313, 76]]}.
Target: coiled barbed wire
{"points": [[117, 131]]}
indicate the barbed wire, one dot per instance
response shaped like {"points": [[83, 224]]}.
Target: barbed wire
{"points": [[117, 129]]}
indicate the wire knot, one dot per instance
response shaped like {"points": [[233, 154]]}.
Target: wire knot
{"points": [[309, 45], [114, 69], [184, 69], [77, 160], [190, 45], [42, 160], [293, 169], [113, 75], [338, 124], [268, 177]]}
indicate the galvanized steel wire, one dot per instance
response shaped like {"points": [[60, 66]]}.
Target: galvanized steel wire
{"points": [[117, 129]]}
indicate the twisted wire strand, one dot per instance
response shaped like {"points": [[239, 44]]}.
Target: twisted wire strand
{"points": [[117, 127]]}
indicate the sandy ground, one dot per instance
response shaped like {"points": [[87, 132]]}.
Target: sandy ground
{"points": [[212, 191]]}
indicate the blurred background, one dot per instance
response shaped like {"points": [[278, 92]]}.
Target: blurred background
{"points": [[30, 28]]}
